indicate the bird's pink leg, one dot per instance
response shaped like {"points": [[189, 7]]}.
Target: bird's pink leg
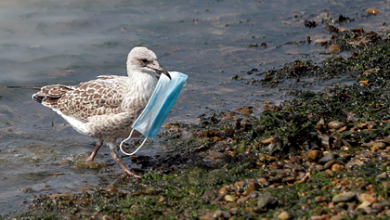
{"points": [[116, 158], [98, 145]]}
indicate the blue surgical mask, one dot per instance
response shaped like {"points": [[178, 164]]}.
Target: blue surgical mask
{"points": [[158, 107]]}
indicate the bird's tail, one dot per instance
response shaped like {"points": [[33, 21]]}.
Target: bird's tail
{"points": [[25, 87]]}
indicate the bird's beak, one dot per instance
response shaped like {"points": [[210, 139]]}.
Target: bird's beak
{"points": [[158, 69]]}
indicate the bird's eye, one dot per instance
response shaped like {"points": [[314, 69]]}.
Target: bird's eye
{"points": [[144, 60]]}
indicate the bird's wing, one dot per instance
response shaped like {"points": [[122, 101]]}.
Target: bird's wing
{"points": [[97, 97]]}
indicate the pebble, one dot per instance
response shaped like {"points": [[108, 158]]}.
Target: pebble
{"points": [[242, 200], [233, 211], [313, 155], [334, 49], [239, 185], [253, 195], [364, 205], [329, 173], [72, 217], [328, 157], [210, 194], [342, 129], [354, 162], [365, 197], [386, 185], [325, 142], [335, 124], [379, 145], [268, 141], [372, 11], [226, 214], [275, 179], [344, 197], [320, 199], [252, 186], [378, 207], [329, 164], [320, 42], [317, 217], [223, 190], [265, 201], [337, 167], [370, 211], [284, 215], [382, 176], [345, 155], [217, 214], [229, 198]]}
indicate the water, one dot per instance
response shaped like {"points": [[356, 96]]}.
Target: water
{"points": [[67, 42]]}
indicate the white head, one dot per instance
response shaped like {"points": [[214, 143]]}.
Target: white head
{"points": [[143, 60]]}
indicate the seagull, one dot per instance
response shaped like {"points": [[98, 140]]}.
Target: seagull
{"points": [[105, 108]]}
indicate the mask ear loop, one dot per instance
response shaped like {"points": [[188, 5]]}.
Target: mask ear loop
{"points": [[129, 154]]}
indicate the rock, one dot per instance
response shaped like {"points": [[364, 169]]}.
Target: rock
{"points": [[233, 211], [268, 140], [261, 180], [242, 200], [274, 146], [275, 179], [365, 197], [335, 124], [364, 205], [229, 198], [329, 164], [313, 155], [319, 167], [325, 142], [337, 167], [344, 197], [252, 186], [217, 159], [354, 162], [370, 211], [284, 215], [267, 202], [329, 173], [345, 155], [372, 11], [326, 158], [317, 217], [210, 194], [385, 203], [378, 207], [226, 214], [73, 217], [379, 145], [334, 49], [239, 185], [386, 185], [217, 214], [382, 176], [223, 190], [253, 195], [320, 199]]}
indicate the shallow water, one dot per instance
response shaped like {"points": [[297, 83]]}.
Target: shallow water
{"points": [[50, 42]]}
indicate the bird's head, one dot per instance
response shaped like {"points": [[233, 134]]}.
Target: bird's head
{"points": [[143, 60]]}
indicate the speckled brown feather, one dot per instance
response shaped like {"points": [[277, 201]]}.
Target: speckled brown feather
{"points": [[97, 97]]}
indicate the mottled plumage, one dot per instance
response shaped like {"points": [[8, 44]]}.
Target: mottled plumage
{"points": [[106, 108]]}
